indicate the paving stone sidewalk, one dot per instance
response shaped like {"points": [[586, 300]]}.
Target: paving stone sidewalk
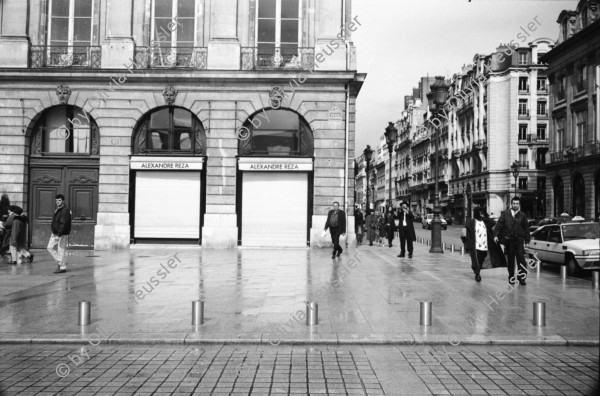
{"points": [[297, 370], [258, 296]]}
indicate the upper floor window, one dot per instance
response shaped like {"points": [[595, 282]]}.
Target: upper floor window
{"points": [[522, 183], [278, 27], [560, 134], [542, 108], [542, 84], [277, 133], [541, 131], [522, 131], [65, 130], [561, 87], [581, 78], [523, 107], [523, 158], [70, 23], [522, 58], [174, 23], [581, 128], [169, 131], [523, 86]]}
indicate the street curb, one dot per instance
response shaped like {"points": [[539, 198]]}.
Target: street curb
{"points": [[224, 341]]}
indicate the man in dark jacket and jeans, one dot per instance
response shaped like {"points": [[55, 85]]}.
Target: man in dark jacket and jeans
{"points": [[61, 227], [512, 230], [336, 222]]}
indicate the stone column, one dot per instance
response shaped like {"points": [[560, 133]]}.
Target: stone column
{"points": [[224, 47], [118, 45], [14, 38]]}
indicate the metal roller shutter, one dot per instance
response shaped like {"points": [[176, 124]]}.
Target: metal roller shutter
{"points": [[274, 209], [167, 205]]}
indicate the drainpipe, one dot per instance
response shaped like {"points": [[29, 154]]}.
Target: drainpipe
{"points": [[597, 103], [347, 122]]}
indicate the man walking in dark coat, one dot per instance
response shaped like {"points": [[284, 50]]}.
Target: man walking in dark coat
{"points": [[479, 240], [336, 222], [61, 227], [406, 230], [512, 230]]}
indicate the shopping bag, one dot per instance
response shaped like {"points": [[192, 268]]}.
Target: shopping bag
{"points": [[344, 240]]}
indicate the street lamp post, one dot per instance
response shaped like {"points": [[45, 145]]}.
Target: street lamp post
{"points": [[367, 153], [515, 171], [391, 135], [439, 95]]}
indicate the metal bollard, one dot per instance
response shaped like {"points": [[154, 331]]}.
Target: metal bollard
{"points": [[563, 272], [197, 312], [462, 250], [444, 246], [539, 313], [452, 248], [312, 313], [596, 279], [425, 313], [85, 313]]}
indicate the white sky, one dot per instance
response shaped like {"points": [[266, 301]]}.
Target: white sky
{"points": [[401, 40]]}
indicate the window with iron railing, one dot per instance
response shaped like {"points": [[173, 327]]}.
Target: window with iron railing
{"points": [[522, 132], [542, 109], [523, 107], [278, 29], [542, 85], [541, 131], [523, 158]]}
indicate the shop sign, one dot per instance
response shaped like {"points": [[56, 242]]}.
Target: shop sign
{"points": [[275, 166], [166, 165]]}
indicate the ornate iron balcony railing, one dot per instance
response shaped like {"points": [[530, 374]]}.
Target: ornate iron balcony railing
{"points": [[68, 56], [254, 58], [171, 57]]}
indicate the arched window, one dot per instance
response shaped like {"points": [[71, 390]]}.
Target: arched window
{"points": [[65, 130], [275, 133], [559, 197], [578, 196], [169, 131]]}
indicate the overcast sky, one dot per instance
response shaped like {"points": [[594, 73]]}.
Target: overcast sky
{"points": [[401, 40]]}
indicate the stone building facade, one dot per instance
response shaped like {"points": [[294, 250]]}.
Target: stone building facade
{"points": [[573, 169], [189, 121]]}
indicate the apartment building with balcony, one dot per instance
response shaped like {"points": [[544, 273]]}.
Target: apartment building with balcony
{"points": [[573, 167], [188, 121], [497, 114]]}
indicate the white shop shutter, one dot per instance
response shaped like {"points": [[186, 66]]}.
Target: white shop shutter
{"points": [[167, 205], [274, 209]]}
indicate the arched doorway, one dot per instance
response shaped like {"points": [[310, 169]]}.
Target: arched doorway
{"points": [[167, 197], [578, 196], [559, 196], [64, 159], [275, 179]]}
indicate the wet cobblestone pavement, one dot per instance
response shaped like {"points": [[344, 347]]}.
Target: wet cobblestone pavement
{"points": [[297, 370]]}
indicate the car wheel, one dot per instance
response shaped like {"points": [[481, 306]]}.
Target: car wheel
{"points": [[572, 266]]}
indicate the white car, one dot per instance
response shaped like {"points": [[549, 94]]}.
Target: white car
{"points": [[576, 245], [429, 218]]}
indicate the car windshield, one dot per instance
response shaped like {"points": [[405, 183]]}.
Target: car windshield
{"points": [[580, 231]]}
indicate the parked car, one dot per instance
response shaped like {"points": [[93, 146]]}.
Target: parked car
{"points": [[418, 218], [429, 218], [574, 244], [449, 219]]}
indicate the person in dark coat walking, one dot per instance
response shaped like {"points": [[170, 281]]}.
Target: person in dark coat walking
{"points": [[390, 225], [336, 222], [479, 240], [371, 226], [512, 230], [406, 230], [61, 228], [359, 222], [18, 236]]}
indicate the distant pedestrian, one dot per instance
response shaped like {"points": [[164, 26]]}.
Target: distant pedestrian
{"points": [[406, 230], [336, 222], [359, 223], [381, 228], [61, 228], [479, 240], [371, 226], [512, 230], [18, 235], [6, 222], [390, 225]]}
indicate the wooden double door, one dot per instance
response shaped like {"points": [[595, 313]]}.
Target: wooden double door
{"points": [[78, 182]]}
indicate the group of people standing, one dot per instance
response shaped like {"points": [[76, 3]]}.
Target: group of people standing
{"points": [[13, 232], [377, 225]]}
